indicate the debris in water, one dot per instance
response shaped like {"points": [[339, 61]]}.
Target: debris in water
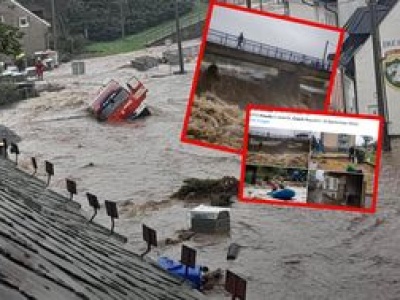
{"points": [[292, 262], [210, 220], [144, 63], [214, 121], [182, 235], [212, 278], [49, 87], [89, 165], [201, 189], [233, 251], [132, 210]]}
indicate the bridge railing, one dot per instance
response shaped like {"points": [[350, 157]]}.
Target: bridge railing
{"points": [[231, 41]]}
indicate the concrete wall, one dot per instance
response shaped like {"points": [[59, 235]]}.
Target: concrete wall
{"points": [[330, 141], [187, 33], [317, 14], [365, 79], [238, 54], [336, 101], [296, 9], [336, 142], [346, 9], [35, 34], [349, 94]]}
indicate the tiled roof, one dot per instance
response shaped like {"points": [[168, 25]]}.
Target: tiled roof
{"points": [[358, 28], [49, 251], [16, 3]]}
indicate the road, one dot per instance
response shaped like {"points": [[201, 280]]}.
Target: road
{"points": [[287, 253]]}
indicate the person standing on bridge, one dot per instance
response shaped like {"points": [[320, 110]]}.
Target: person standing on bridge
{"points": [[240, 40]]}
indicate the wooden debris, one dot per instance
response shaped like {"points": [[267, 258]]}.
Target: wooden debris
{"points": [[200, 189]]}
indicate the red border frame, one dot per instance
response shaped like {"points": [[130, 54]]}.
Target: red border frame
{"points": [[371, 210], [211, 7]]}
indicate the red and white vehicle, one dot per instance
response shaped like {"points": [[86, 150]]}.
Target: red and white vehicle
{"points": [[117, 103]]}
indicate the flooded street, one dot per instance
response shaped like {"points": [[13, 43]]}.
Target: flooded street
{"points": [[287, 253]]}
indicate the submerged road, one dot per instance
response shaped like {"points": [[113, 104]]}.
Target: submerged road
{"points": [[287, 253]]}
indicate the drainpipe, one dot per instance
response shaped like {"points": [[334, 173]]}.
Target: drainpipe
{"points": [[179, 39], [334, 12], [54, 24], [356, 96], [308, 3], [342, 83]]}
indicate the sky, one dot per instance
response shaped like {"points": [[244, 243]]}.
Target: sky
{"points": [[297, 37]]}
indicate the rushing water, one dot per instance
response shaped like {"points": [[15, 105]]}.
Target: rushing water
{"points": [[287, 253]]}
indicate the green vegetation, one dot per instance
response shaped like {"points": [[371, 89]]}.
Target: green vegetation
{"points": [[101, 20], [9, 40], [8, 93], [371, 156], [138, 41]]}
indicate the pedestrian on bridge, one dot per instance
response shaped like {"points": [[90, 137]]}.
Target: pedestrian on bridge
{"points": [[240, 40]]}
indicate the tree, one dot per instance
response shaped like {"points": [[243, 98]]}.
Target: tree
{"points": [[9, 40]]}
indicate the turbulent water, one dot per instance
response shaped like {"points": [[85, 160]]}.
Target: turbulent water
{"points": [[287, 253]]}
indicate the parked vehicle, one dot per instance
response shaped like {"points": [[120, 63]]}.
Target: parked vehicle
{"points": [[49, 58]]}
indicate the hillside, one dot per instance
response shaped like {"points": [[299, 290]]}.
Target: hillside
{"points": [[101, 20]]}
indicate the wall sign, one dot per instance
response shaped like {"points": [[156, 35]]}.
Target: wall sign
{"points": [[391, 62], [391, 65]]}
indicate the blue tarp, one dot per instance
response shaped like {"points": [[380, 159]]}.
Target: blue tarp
{"points": [[176, 268]]}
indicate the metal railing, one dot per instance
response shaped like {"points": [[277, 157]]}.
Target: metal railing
{"points": [[254, 47]]}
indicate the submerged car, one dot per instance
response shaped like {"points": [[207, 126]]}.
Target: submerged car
{"points": [[118, 103]]}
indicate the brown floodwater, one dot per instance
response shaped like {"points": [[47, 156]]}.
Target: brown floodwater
{"points": [[287, 253]]}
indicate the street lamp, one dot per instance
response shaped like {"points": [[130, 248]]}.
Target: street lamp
{"points": [[54, 21], [179, 39], [122, 16]]}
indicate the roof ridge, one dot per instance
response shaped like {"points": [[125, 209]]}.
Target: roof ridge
{"points": [[30, 12]]}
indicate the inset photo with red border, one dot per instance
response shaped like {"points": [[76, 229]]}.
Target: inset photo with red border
{"points": [[250, 57], [319, 160]]}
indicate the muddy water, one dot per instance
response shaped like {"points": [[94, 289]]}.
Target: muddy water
{"points": [[287, 253]]}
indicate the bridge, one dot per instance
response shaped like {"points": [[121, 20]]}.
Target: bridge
{"points": [[225, 44]]}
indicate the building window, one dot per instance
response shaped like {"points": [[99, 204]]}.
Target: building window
{"points": [[23, 22]]}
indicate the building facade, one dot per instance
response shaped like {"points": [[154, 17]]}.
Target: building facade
{"points": [[360, 94], [318, 11], [35, 29], [337, 142]]}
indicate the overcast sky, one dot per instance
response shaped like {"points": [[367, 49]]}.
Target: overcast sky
{"points": [[297, 37]]}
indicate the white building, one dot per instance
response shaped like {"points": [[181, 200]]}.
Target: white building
{"points": [[359, 82], [313, 10]]}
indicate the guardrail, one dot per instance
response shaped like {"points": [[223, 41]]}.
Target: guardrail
{"points": [[254, 47]]}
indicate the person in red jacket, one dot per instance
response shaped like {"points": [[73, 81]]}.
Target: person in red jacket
{"points": [[39, 67]]}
